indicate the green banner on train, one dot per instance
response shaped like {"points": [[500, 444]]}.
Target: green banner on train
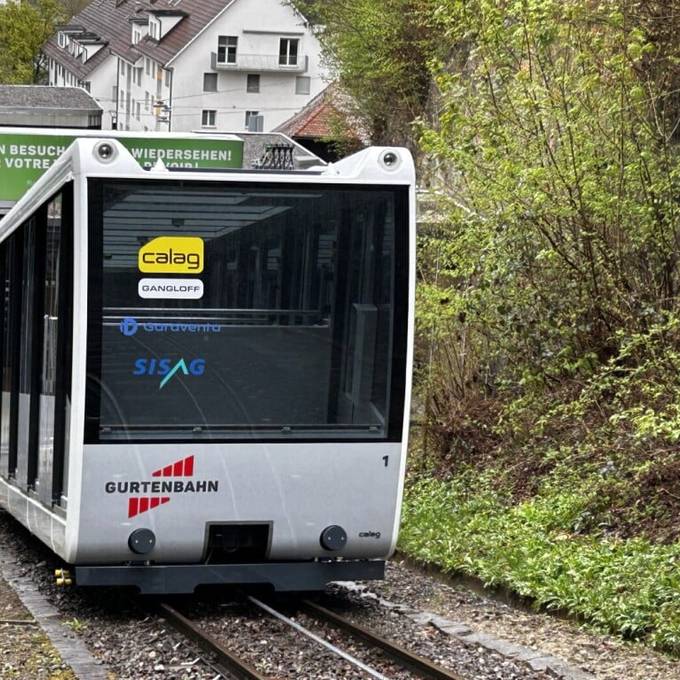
{"points": [[25, 157]]}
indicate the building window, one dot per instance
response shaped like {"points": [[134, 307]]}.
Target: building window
{"points": [[249, 118], [138, 75], [253, 82], [146, 101], [210, 82], [288, 51], [154, 29], [148, 66], [226, 49], [208, 118], [63, 40], [303, 85], [87, 85], [139, 111], [167, 78], [122, 100], [136, 35]]}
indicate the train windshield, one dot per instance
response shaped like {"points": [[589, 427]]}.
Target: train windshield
{"points": [[246, 311]]}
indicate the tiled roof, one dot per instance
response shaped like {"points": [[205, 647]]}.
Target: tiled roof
{"points": [[320, 117], [45, 97], [314, 120], [111, 20]]}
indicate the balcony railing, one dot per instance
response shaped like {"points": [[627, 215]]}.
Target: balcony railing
{"points": [[254, 63]]}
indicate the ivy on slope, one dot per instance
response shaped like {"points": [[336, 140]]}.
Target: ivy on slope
{"points": [[630, 586]]}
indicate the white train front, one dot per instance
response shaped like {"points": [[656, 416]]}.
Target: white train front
{"points": [[206, 375]]}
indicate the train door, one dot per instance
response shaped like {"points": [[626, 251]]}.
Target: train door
{"points": [[55, 364], [29, 346]]}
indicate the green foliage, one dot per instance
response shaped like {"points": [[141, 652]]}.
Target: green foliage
{"points": [[629, 587], [552, 285], [548, 316], [379, 54], [24, 28]]}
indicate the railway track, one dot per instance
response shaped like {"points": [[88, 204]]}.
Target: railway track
{"points": [[232, 665]]}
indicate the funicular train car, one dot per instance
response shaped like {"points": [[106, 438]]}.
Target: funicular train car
{"points": [[205, 375]]}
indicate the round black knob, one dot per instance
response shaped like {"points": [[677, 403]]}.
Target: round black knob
{"points": [[142, 541], [333, 538]]}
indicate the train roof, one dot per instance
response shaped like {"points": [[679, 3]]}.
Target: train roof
{"points": [[108, 157]]}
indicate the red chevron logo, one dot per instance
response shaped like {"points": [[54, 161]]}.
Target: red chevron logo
{"points": [[137, 506], [182, 468]]}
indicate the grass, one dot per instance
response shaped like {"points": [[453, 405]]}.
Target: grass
{"points": [[537, 547]]}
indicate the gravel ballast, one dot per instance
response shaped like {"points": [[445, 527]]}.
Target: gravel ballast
{"points": [[130, 640], [605, 657]]}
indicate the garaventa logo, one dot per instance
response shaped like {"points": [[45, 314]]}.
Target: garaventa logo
{"points": [[172, 255]]}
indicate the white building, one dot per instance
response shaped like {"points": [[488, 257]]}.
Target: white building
{"points": [[185, 65]]}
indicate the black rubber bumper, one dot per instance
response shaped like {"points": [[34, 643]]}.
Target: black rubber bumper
{"points": [[184, 578]]}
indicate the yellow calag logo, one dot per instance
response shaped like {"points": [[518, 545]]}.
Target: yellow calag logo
{"points": [[172, 255]]}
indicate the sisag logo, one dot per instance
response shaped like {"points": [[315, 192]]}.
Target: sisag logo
{"points": [[176, 478], [130, 327], [172, 255], [166, 369]]}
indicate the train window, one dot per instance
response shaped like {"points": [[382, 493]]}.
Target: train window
{"points": [[10, 353], [29, 347], [5, 370], [246, 311], [55, 368], [36, 267]]}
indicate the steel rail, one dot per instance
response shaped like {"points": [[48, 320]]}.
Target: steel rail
{"points": [[319, 640], [225, 659], [412, 661]]}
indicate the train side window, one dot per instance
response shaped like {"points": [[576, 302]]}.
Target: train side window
{"points": [[29, 347], [3, 326], [11, 277], [55, 368]]}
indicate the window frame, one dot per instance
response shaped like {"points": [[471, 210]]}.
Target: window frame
{"points": [[397, 373], [248, 116], [211, 113], [229, 49], [211, 74], [286, 55], [154, 29], [255, 78], [305, 79]]}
